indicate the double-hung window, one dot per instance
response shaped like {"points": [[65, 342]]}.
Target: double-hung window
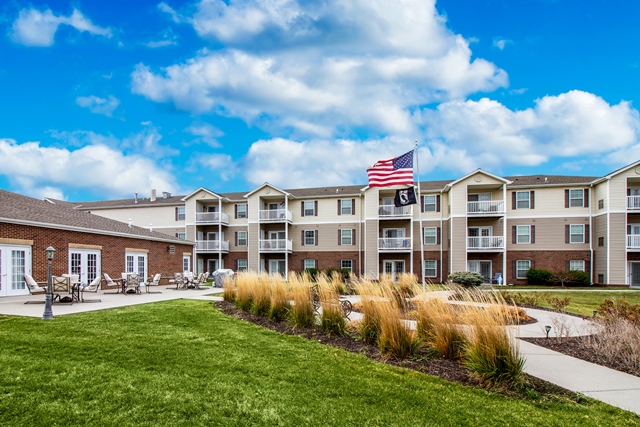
{"points": [[309, 208], [180, 215], [242, 265], [309, 238], [430, 236], [523, 233], [522, 267], [576, 198], [576, 265], [242, 238], [429, 203], [576, 233], [309, 263], [346, 264], [241, 211], [430, 268], [523, 200], [345, 207], [346, 237]]}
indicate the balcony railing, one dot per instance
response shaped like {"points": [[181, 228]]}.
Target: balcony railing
{"points": [[212, 218], [633, 202], [633, 241], [211, 245], [275, 245], [394, 243], [390, 211], [485, 242], [485, 207], [275, 215]]}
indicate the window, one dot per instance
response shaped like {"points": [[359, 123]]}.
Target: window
{"points": [[309, 208], [180, 215], [575, 265], [242, 238], [242, 265], [576, 233], [346, 207], [521, 269], [181, 235], [576, 198], [600, 278], [430, 236], [241, 211], [523, 200], [429, 203], [186, 263], [430, 268], [309, 263], [347, 264], [523, 233], [601, 241], [601, 204], [346, 237], [309, 238]]}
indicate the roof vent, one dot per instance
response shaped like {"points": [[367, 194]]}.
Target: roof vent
{"points": [[151, 227], [166, 194], [153, 195], [136, 198], [545, 179], [130, 222]]}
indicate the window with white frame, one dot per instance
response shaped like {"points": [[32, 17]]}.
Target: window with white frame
{"points": [[522, 267], [346, 237], [430, 236], [186, 263], [309, 208], [576, 265], [241, 211], [523, 200], [181, 235], [309, 263], [347, 264], [180, 215], [430, 268], [576, 233], [345, 207], [309, 238], [523, 233], [429, 203], [576, 198], [242, 265], [242, 238]]}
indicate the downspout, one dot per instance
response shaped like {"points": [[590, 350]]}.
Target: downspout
{"points": [[286, 237], [591, 232], [441, 234], [360, 237], [504, 234], [220, 232]]}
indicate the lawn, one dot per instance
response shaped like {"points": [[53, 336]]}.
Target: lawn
{"points": [[585, 302], [182, 363]]}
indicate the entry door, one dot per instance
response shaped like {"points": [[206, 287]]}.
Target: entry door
{"points": [[276, 266], [482, 267], [84, 263], [15, 261], [393, 268], [137, 263], [213, 265], [634, 269]]}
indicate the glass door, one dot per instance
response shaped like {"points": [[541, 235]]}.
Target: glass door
{"points": [[15, 261], [137, 263], [634, 273], [84, 263], [393, 268], [276, 266]]}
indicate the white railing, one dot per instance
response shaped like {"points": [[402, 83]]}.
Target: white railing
{"points": [[486, 207], [275, 215], [276, 245], [211, 245], [390, 211], [633, 241], [211, 218], [633, 202], [394, 243], [485, 242]]}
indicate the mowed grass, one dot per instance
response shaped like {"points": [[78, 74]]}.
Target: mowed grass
{"points": [[584, 303], [182, 363]]}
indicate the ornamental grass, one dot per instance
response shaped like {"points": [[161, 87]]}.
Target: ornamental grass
{"points": [[280, 305], [302, 314], [331, 318], [245, 283], [229, 289], [260, 290]]}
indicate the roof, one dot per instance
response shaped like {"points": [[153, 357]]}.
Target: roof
{"points": [[341, 190], [19, 209], [434, 185], [530, 180], [127, 203]]}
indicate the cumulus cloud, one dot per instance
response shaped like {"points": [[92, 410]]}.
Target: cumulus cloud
{"points": [[148, 141], [36, 28], [220, 165], [205, 133], [98, 105], [316, 67], [97, 168], [501, 43]]}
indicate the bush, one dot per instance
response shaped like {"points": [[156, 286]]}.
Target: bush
{"points": [[312, 272], [539, 277], [346, 274], [571, 278], [466, 278]]}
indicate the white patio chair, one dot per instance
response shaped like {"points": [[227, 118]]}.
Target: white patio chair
{"points": [[132, 283], [153, 282], [110, 282], [91, 287], [34, 288]]}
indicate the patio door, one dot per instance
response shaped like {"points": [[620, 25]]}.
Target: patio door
{"points": [[276, 266], [482, 267], [634, 273], [213, 264], [136, 262], [85, 263], [15, 261], [393, 268]]}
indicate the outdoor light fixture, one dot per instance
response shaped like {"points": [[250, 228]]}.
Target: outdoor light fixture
{"points": [[548, 329], [48, 313]]}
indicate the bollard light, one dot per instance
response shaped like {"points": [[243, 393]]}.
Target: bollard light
{"points": [[548, 329]]}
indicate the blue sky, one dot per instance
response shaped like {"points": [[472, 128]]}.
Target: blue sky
{"points": [[103, 99]]}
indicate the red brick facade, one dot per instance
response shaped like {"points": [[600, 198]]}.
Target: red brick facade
{"points": [[547, 260]]}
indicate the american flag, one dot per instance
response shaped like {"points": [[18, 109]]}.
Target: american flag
{"points": [[396, 171]]}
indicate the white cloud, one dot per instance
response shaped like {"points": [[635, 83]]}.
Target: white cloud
{"points": [[36, 28], [167, 38], [220, 165], [148, 141], [96, 168], [99, 105], [175, 17], [501, 43], [206, 133], [317, 67]]}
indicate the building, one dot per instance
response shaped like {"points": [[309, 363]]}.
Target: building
{"points": [[480, 222], [85, 244]]}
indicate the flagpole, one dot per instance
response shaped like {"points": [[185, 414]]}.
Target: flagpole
{"points": [[421, 232]]}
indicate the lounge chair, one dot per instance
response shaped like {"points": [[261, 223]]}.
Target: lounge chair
{"points": [[110, 282], [154, 282], [91, 287], [178, 279], [132, 283], [34, 288]]}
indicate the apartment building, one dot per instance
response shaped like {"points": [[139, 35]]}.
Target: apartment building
{"points": [[497, 226]]}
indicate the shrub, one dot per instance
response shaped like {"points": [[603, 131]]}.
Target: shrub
{"points": [[619, 309], [571, 278], [312, 272], [466, 278], [558, 303], [346, 274], [244, 294], [261, 296], [539, 277]]}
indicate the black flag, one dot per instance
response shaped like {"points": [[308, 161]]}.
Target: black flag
{"points": [[405, 197]]}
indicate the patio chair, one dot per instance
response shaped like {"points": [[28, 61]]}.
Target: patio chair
{"points": [[178, 279], [110, 282], [132, 283], [91, 287], [189, 280], [153, 282], [61, 284], [34, 288]]}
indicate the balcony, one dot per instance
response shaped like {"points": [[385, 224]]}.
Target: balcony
{"points": [[275, 245], [394, 244], [485, 243], [212, 246], [275, 215], [633, 241], [392, 212], [633, 203], [212, 218], [486, 207]]}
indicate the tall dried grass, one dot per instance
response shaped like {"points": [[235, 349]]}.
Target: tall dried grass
{"points": [[280, 304], [617, 340], [438, 325], [261, 294], [331, 318], [229, 289], [244, 285], [370, 295], [301, 314]]}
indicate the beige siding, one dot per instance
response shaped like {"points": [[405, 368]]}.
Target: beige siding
{"points": [[327, 237], [618, 249], [160, 216], [549, 234], [600, 230], [618, 191], [417, 235], [599, 192], [230, 235], [371, 249], [371, 203], [253, 253], [458, 244], [471, 185]]}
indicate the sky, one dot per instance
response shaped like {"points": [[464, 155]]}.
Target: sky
{"points": [[99, 100]]}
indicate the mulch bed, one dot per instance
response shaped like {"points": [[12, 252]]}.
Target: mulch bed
{"points": [[428, 364]]}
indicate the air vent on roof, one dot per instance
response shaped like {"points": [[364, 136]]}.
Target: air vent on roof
{"points": [[153, 195], [166, 194], [136, 198]]}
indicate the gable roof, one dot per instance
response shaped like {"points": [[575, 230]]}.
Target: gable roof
{"points": [[124, 203], [477, 171], [542, 180], [19, 209], [266, 184], [193, 193], [618, 171]]}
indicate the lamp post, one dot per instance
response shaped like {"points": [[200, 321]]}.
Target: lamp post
{"points": [[48, 313]]}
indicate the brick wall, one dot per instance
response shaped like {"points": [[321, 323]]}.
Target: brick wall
{"points": [[324, 260], [113, 250], [547, 260]]}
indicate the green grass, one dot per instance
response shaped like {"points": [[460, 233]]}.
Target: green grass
{"points": [[584, 303], [182, 363]]}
